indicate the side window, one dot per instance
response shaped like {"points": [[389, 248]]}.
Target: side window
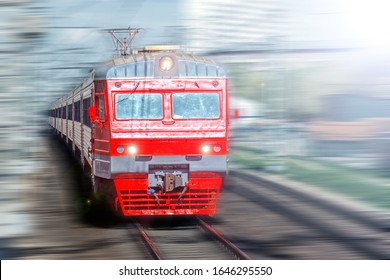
{"points": [[70, 112], [77, 111], [86, 104], [100, 107]]}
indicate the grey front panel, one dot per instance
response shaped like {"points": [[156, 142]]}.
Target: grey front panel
{"points": [[102, 166], [108, 167]]}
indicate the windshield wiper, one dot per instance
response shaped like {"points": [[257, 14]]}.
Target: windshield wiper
{"points": [[129, 94]]}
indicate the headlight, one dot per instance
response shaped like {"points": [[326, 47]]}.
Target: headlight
{"points": [[132, 149], [205, 149], [166, 63]]}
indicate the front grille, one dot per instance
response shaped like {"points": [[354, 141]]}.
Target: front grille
{"points": [[192, 199]]}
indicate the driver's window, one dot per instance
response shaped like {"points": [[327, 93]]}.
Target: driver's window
{"points": [[100, 107]]}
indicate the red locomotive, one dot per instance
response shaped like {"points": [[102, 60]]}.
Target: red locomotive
{"points": [[152, 128]]}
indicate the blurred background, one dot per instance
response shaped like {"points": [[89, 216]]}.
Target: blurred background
{"points": [[309, 83]]}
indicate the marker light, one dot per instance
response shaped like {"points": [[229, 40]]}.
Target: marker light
{"points": [[120, 149], [132, 149], [166, 63], [205, 148], [217, 148]]}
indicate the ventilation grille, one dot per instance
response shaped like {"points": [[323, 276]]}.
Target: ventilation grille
{"points": [[193, 199]]}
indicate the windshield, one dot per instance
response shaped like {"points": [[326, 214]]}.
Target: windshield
{"points": [[138, 106], [196, 106]]}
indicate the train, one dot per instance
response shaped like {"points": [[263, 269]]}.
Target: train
{"points": [[151, 130]]}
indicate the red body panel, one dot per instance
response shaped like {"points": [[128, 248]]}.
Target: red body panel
{"points": [[189, 146]]}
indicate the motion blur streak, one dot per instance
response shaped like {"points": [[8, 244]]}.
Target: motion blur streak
{"points": [[309, 84], [22, 30]]}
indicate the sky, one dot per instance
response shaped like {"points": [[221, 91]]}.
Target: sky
{"points": [[76, 40], [362, 23]]}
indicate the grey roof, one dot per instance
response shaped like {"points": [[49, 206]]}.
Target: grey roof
{"points": [[145, 64]]}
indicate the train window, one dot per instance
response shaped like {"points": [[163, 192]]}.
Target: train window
{"points": [[77, 111], [101, 108], [86, 104], [70, 113], [138, 106], [196, 106]]}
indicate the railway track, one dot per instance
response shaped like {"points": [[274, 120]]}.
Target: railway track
{"points": [[359, 232], [192, 239]]}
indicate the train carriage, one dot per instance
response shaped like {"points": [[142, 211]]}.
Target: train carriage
{"points": [[152, 127]]}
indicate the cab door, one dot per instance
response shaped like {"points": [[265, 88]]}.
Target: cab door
{"points": [[100, 143]]}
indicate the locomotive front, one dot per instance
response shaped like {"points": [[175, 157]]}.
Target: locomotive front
{"points": [[160, 133]]}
